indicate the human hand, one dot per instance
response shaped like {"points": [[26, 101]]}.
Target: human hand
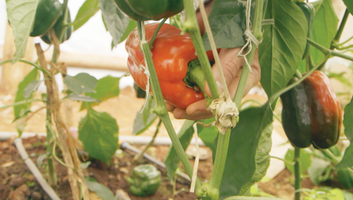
{"points": [[232, 66]]}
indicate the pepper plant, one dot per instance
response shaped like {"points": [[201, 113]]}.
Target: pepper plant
{"points": [[290, 41]]}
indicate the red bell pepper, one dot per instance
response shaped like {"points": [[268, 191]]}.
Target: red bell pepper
{"points": [[171, 54]]}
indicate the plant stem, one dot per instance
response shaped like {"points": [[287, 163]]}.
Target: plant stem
{"points": [[223, 140], [297, 183], [140, 155], [220, 160], [329, 51], [191, 26], [340, 29], [52, 177], [160, 108], [258, 15], [30, 63], [156, 32]]}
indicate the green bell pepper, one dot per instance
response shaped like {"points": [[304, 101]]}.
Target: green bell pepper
{"points": [[150, 10], [144, 180], [47, 13], [60, 27]]}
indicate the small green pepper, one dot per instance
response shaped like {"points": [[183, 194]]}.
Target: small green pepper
{"points": [[47, 13], [144, 180], [60, 26], [150, 10]]}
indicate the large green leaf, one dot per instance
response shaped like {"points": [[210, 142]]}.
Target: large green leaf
{"points": [[172, 160], [283, 44], [115, 21], [349, 4], [101, 190], [130, 27], [98, 132], [30, 88], [324, 28], [317, 170], [248, 154], [207, 134], [227, 21], [81, 83], [22, 109], [106, 88], [305, 160], [86, 11], [21, 17], [347, 160]]}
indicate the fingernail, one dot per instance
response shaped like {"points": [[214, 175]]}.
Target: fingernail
{"points": [[197, 112]]}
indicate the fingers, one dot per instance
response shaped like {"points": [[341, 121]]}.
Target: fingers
{"points": [[253, 78], [195, 111], [231, 66]]}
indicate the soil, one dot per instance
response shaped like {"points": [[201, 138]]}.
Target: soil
{"points": [[17, 182]]}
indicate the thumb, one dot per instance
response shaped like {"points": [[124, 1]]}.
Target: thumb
{"points": [[231, 66]]}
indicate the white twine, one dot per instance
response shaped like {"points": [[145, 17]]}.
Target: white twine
{"points": [[196, 164], [250, 38]]}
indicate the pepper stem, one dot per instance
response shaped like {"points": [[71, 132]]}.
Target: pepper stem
{"points": [[160, 108], [298, 181], [191, 26]]}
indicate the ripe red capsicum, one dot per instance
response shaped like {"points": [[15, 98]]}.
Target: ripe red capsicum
{"points": [[171, 53]]}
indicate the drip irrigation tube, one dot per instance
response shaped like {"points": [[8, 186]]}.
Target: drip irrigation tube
{"points": [[35, 171]]}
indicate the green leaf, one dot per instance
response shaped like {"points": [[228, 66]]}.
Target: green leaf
{"points": [[345, 177], [98, 132], [33, 86], [81, 83], [88, 9], [20, 110], [324, 28], [130, 27], [305, 160], [317, 170], [115, 21], [107, 87], [172, 160], [283, 45], [336, 194], [347, 160], [207, 134], [347, 195], [145, 119], [349, 4], [227, 21], [21, 16], [79, 97], [101, 190], [248, 154]]}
